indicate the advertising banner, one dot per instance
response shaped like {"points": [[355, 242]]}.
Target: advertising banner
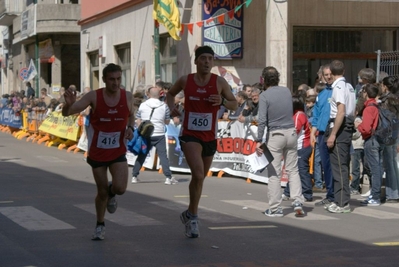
{"points": [[63, 127], [10, 118]]}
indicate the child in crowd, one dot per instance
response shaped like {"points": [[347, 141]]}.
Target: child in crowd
{"points": [[304, 150], [372, 149]]}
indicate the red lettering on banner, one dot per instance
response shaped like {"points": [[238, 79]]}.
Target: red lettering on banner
{"points": [[236, 145], [209, 5]]}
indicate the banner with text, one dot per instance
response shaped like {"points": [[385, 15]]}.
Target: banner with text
{"points": [[10, 118], [63, 127], [235, 139]]}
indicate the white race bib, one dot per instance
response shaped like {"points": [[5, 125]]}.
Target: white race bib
{"points": [[108, 140], [199, 121]]}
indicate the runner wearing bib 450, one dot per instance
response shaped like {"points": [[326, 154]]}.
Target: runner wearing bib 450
{"points": [[199, 114], [204, 93]]}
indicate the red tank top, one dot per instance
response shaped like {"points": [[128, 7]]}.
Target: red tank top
{"points": [[106, 135], [200, 117]]}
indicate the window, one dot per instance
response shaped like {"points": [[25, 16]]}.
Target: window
{"points": [[94, 71], [124, 59], [308, 40], [168, 59]]}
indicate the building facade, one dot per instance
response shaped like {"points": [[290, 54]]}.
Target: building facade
{"points": [[47, 32], [71, 41], [296, 37]]}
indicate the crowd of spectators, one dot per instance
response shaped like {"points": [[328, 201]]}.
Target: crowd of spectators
{"points": [[25, 100]]}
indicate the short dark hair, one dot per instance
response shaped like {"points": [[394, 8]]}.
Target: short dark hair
{"points": [[337, 67], [111, 67], [167, 85], [271, 77], [258, 85], [203, 50], [392, 83], [242, 94], [297, 103], [28, 84], [245, 86], [371, 89]]}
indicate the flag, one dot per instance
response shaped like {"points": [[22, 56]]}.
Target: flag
{"points": [[167, 14], [31, 71]]}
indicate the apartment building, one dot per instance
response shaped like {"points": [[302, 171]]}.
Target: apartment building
{"points": [[45, 31], [294, 36]]}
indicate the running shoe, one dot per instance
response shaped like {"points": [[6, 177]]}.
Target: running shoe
{"points": [[337, 209], [171, 180], [323, 202], [192, 229], [112, 204], [99, 233], [276, 213], [371, 202], [298, 209], [135, 180]]}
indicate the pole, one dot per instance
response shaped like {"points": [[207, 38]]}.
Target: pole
{"points": [[156, 51], [37, 59], [37, 63], [378, 64]]}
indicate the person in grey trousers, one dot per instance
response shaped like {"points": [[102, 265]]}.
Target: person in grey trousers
{"points": [[275, 114]]}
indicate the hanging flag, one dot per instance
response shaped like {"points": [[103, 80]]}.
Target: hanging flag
{"points": [[167, 14], [31, 71]]}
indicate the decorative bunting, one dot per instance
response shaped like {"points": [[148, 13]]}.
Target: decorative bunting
{"points": [[182, 29], [231, 14], [190, 28], [220, 18]]}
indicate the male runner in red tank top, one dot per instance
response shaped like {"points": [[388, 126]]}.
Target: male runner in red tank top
{"points": [[204, 93], [111, 123]]}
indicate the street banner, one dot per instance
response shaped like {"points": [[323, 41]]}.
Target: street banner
{"points": [[167, 14], [60, 126], [10, 118]]}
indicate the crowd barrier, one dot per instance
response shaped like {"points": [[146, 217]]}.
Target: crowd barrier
{"points": [[235, 141], [41, 128]]}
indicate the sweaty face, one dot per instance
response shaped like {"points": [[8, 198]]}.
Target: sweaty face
{"points": [[204, 63], [112, 80]]}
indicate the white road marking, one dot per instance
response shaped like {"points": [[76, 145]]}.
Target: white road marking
{"points": [[288, 211], [122, 216], [33, 219]]}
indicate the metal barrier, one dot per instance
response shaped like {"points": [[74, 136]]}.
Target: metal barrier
{"points": [[31, 122], [387, 62]]}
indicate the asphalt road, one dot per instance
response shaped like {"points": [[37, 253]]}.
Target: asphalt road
{"points": [[47, 219]]}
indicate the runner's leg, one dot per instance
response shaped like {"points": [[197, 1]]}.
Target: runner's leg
{"points": [[101, 179]]}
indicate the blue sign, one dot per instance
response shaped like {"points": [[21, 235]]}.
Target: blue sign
{"points": [[9, 118], [224, 33]]}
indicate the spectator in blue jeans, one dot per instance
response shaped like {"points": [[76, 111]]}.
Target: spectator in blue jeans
{"points": [[304, 150], [321, 115], [158, 113], [372, 148], [357, 158], [390, 100]]}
